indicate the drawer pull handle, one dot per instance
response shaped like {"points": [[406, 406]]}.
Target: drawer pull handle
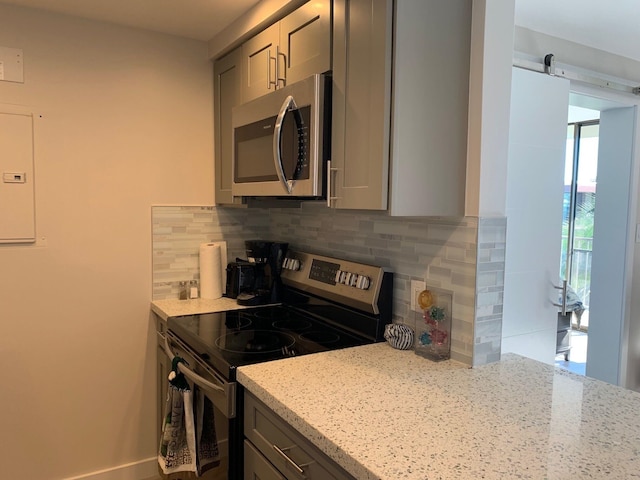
{"points": [[297, 467]]}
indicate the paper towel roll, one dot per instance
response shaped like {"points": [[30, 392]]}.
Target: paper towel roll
{"points": [[213, 257]]}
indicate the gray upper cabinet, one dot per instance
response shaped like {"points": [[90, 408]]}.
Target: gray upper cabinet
{"points": [[226, 82], [361, 104], [296, 47], [305, 41], [400, 148], [259, 61]]}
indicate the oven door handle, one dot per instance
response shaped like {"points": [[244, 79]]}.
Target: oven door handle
{"points": [[190, 374]]}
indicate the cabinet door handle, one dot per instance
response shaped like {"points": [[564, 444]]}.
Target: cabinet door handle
{"points": [[330, 196], [282, 79], [280, 451], [269, 81]]}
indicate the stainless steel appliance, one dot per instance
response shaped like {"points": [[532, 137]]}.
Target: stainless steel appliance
{"points": [[281, 141], [327, 304]]}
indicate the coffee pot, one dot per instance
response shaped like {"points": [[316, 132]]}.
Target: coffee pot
{"points": [[266, 259]]}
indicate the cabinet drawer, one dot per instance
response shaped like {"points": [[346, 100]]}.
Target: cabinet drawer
{"points": [[256, 467], [269, 433]]}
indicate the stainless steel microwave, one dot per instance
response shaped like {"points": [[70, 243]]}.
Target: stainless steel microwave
{"points": [[281, 141]]}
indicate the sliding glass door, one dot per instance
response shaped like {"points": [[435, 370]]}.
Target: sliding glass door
{"points": [[579, 204]]}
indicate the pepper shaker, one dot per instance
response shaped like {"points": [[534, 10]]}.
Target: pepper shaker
{"points": [[183, 294]]}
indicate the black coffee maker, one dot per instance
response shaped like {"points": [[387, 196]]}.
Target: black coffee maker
{"points": [[266, 259]]}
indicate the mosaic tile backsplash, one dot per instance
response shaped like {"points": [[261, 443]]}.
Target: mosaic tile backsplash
{"points": [[461, 256]]}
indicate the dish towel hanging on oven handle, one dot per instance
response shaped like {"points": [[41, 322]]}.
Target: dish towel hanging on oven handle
{"points": [[177, 452], [189, 442], [208, 455]]}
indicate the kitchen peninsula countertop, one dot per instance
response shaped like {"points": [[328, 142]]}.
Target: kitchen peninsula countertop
{"points": [[388, 414]]}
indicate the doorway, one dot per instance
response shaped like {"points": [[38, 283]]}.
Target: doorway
{"points": [[578, 218], [537, 147]]}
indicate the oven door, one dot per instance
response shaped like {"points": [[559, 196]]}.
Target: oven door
{"points": [[221, 392]]}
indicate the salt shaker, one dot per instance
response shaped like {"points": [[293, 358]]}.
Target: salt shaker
{"points": [[193, 289]]}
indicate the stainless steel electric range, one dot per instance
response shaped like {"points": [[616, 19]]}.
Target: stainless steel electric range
{"points": [[328, 304]]}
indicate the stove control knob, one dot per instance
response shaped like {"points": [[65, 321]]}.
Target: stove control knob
{"points": [[338, 276], [347, 278], [291, 264], [294, 264], [354, 279], [363, 282]]}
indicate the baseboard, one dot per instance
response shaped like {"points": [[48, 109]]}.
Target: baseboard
{"points": [[142, 470]]}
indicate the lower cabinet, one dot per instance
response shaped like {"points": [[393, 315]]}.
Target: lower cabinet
{"points": [[275, 450], [256, 467], [163, 367]]}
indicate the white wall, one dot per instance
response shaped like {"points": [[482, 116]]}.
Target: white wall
{"points": [[126, 123], [608, 267]]}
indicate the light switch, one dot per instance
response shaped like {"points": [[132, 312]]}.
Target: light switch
{"points": [[416, 287]]}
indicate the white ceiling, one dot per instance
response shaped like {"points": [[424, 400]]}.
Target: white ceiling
{"points": [[591, 22], [198, 19], [612, 26]]}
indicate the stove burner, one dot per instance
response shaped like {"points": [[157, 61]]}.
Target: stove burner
{"points": [[255, 341], [292, 324], [272, 314], [237, 322], [320, 337]]}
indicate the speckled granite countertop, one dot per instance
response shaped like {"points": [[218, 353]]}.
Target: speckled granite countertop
{"points": [[173, 307], [387, 414]]}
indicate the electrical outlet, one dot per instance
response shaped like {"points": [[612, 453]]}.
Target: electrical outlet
{"points": [[416, 287]]}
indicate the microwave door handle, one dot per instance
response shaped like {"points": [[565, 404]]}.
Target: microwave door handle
{"points": [[288, 104]]}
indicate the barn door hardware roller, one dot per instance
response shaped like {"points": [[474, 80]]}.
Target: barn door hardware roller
{"points": [[577, 74], [550, 64]]}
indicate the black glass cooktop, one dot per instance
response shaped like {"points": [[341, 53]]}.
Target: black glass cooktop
{"points": [[227, 340]]}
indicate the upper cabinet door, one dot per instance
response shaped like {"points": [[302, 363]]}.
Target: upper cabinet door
{"points": [[361, 104], [259, 64], [430, 108], [305, 42], [226, 83]]}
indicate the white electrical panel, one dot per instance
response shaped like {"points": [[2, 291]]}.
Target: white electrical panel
{"points": [[17, 203]]}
